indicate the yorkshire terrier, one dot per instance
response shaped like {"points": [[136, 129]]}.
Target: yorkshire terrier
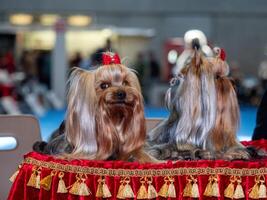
{"points": [[105, 115], [204, 114], [192, 104]]}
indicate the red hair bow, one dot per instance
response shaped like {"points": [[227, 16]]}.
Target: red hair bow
{"points": [[222, 54], [110, 58]]}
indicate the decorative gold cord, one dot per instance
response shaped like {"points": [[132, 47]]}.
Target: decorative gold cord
{"points": [[146, 172]]}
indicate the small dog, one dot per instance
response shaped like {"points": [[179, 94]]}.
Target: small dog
{"points": [[105, 115], [204, 114], [192, 104]]}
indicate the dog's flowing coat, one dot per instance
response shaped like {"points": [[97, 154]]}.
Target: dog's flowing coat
{"points": [[204, 115], [105, 116]]}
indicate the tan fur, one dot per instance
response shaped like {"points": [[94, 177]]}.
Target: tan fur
{"points": [[223, 140], [98, 125]]}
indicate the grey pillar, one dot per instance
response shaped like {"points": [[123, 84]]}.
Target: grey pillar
{"points": [[59, 62]]}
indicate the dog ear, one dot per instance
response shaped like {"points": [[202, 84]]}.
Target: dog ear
{"points": [[80, 119]]}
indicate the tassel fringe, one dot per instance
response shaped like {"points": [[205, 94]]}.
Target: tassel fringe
{"points": [[46, 182], [61, 188], [125, 190], [230, 190], [102, 189], [215, 187], [151, 191], [195, 191], [14, 176], [34, 180], [80, 187], [188, 188], [171, 189], [142, 192], [262, 188], [163, 192], [121, 188], [234, 190], [208, 189], [239, 192]]}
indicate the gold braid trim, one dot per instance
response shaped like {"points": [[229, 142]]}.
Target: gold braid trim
{"points": [[147, 172]]}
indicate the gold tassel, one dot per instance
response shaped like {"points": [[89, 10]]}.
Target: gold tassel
{"points": [[254, 191], [239, 193], [121, 188], [75, 186], [142, 192], [229, 191], [46, 182], [151, 191], [171, 189], [195, 191], [127, 190], [80, 187], [84, 190], [262, 188], [106, 191], [99, 191], [163, 192], [188, 188], [102, 189], [34, 180], [215, 188], [61, 188], [14, 176], [208, 190]]}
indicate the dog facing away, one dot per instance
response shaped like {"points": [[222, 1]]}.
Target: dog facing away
{"points": [[192, 104], [204, 115], [105, 115]]}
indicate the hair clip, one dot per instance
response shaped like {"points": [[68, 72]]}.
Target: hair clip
{"points": [[220, 53], [110, 58]]}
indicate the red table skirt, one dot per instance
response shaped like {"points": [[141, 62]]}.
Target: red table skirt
{"points": [[47, 177]]}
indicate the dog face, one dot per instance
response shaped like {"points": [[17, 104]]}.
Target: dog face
{"points": [[117, 88], [105, 112]]}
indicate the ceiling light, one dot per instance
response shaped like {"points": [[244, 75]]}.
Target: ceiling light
{"points": [[79, 20], [48, 19], [21, 19]]}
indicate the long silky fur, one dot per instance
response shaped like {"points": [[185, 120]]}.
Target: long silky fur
{"points": [[81, 110], [192, 112], [223, 141], [98, 125]]}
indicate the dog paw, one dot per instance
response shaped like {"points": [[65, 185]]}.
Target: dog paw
{"points": [[202, 154], [236, 154], [161, 154]]}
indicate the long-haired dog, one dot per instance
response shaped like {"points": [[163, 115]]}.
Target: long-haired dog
{"points": [[192, 104], [204, 114], [222, 138], [105, 115]]}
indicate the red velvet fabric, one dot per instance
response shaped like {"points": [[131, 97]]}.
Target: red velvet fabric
{"points": [[20, 190]]}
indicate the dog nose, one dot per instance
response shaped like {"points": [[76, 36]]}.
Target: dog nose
{"points": [[121, 95]]}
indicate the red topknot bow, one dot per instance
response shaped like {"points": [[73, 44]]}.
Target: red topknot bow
{"points": [[220, 53], [110, 58], [223, 55]]}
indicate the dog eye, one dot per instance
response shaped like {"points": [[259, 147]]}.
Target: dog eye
{"points": [[104, 85]]}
